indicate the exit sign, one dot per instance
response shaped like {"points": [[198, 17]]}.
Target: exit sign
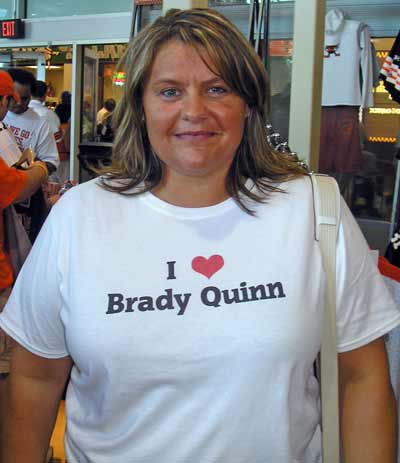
{"points": [[12, 29]]}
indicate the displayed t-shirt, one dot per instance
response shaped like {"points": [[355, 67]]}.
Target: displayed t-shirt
{"points": [[11, 183], [51, 117], [31, 130], [348, 67], [193, 331]]}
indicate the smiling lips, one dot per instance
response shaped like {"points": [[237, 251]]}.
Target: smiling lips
{"points": [[200, 135]]}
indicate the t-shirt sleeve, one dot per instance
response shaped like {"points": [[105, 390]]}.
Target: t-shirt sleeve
{"points": [[33, 314], [365, 307], [45, 144], [11, 183]]}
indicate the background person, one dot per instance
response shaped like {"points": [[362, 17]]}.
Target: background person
{"points": [[63, 110], [213, 333], [105, 111], [15, 185], [37, 103], [32, 131]]}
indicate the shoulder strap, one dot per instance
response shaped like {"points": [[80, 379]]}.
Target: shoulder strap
{"points": [[327, 213]]}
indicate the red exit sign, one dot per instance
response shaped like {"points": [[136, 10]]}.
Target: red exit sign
{"points": [[12, 29]]}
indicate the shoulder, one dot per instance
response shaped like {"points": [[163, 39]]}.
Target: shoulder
{"points": [[296, 191], [41, 121], [90, 208], [89, 198], [291, 198], [52, 115], [350, 27], [27, 119], [30, 114]]}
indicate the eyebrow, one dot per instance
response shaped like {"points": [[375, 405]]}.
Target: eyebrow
{"points": [[170, 81]]}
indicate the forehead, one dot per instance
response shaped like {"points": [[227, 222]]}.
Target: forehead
{"points": [[176, 57]]}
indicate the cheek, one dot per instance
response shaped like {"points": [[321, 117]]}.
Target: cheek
{"points": [[233, 116], [159, 125], [235, 126]]}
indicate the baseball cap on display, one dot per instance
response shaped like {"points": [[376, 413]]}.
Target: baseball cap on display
{"points": [[7, 86], [334, 24]]}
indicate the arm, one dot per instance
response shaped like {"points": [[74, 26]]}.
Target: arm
{"points": [[36, 174], [35, 386], [45, 146], [367, 405]]}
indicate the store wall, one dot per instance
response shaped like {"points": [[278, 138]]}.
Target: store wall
{"points": [[383, 18], [67, 82]]}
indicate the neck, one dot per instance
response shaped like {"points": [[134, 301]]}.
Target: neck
{"points": [[191, 192]]}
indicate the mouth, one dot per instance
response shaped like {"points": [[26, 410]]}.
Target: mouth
{"points": [[198, 135]]}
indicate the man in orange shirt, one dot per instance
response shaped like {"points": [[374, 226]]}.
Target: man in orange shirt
{"points": [[15, 185]]}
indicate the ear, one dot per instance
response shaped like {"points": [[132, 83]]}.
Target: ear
{"points": [[4, 100]]}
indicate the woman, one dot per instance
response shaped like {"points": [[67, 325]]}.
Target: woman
{"points": [[187, 303]]}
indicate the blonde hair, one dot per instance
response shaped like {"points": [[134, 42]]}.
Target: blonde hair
{"points": [[135, 164]]}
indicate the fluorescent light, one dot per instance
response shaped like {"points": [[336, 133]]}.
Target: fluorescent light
{"points": [[47, 67]]}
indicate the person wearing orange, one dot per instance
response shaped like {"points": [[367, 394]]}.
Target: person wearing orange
{"points": [[15, 185]]}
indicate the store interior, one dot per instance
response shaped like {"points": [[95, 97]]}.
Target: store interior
{"points": [[372, 187]]}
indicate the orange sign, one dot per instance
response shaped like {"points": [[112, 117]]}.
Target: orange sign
{"points": [[280, 47]]}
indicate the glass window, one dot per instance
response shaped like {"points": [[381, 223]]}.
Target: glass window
{"points": [[44, 8], [240, 2], [102, 89], [374, 183], [55, 67], [279, 56], [358, 145], [280, 66], [6, 9]]}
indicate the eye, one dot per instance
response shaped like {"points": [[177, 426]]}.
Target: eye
{"points": [[169, 92], [217, 90]]}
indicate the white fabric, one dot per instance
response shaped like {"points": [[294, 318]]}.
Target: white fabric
{"points": [[348, 68], [334, 22], [31, 130], [101, 115], [9, 149], [48, 114], [168, 367]]}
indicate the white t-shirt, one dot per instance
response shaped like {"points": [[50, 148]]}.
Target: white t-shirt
{"points": [[31, 130], [348, 68], [48, 114], [101, 115], [193, 331]]}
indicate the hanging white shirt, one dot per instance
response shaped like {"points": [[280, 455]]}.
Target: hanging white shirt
{"points": [[348, 68]]}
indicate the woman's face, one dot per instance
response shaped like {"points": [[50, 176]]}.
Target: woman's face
{"points": [[194, 121]]}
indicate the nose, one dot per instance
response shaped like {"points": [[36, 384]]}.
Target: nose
{"points": [[194, 107]]}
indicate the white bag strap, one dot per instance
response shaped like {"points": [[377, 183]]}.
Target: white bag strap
{"points": [[326, 197]]}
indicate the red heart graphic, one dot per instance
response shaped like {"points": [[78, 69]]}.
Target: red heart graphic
{"points": [[207, 267]]}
